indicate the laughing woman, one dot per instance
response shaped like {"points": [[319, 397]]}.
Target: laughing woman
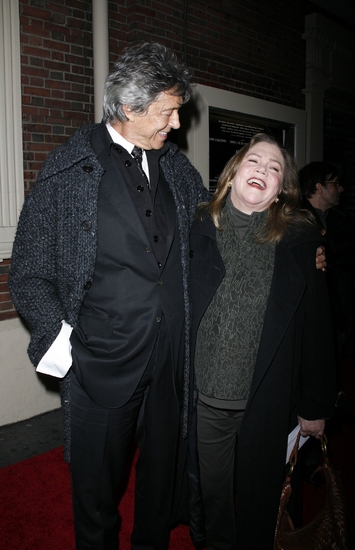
{"points": [[264, 354]]}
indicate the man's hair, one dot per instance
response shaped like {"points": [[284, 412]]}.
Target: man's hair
{"points": [[139, 75], [313, 173]]}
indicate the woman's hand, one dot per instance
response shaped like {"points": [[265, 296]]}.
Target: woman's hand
{"points": [[315, 428], [320, 258]]}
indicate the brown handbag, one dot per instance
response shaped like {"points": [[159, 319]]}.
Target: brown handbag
{"points": [[329, 530]]}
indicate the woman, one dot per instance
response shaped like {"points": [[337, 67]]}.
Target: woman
{"points": [[263, 355]]}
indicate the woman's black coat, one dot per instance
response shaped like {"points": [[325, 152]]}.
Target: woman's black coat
{"points": [[294, 371]]}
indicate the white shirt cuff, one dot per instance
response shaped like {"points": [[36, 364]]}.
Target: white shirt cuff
{"points": [[58, 360]]}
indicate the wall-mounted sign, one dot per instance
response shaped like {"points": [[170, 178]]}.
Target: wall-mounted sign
{"points": [[229, 131]]}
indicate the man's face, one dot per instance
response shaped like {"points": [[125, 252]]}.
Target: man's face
{"points": [[150, 129], [331, 192]]}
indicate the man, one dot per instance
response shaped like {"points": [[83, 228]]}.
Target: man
{"points": [[321, 190], [100, 274]]}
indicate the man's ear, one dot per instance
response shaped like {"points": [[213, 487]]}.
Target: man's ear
{"points": [[319, 188], [128, 112]]}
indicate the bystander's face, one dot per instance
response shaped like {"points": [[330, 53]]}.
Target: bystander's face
{"points": [[331, 192], [150, 129], [259, 178]]}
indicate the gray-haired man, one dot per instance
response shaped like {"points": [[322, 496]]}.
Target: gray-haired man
{"points": [[100, 273]]}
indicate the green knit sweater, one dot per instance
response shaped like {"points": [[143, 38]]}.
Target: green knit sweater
{"points": [[229, 334]]}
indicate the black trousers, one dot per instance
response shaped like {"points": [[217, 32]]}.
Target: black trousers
{"points": [[217, 437], [100, 452]]}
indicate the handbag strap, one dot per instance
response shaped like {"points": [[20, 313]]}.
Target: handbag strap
{"points": [[294, 453]]}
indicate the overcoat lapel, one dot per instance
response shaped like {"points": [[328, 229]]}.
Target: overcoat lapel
{"points": [[170, 213], [207, 267], [288, 286]]}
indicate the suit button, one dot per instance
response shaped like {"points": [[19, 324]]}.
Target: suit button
{"points": [[160, 283], [87, 168], [158, 319], [159, 264], [148, 250], [155, 238], [140, 188], [86, 225], [87, 285], [148, 213], [128, 163]]}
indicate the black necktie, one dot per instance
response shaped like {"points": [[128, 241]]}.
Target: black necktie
{"points": [[137, 154]]}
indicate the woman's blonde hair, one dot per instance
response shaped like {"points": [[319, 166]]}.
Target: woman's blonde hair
{"points": [[281, 213]]}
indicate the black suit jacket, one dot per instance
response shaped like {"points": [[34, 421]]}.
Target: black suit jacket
{"points": [[120, 314]]}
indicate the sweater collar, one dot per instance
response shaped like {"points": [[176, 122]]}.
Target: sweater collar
{"points": [[240, 219]]}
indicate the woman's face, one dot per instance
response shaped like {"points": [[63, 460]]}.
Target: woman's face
{"points": [[259, 178]]}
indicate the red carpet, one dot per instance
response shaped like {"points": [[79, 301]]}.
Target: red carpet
{"points": [[35, 501], [35, 507]]}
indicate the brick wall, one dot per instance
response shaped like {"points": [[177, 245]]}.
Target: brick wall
{"points": [[254, 48], [7, 310], [57, 76]]}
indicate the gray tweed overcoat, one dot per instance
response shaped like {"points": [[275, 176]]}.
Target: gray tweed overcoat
{"points": [[54, 251]]}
